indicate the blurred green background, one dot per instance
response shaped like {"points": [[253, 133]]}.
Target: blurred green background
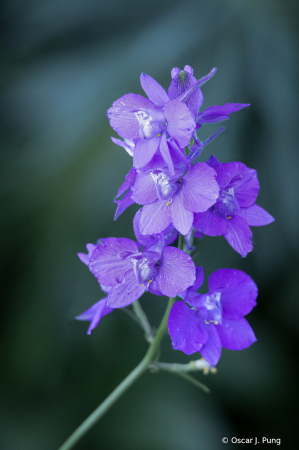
{"points": [[63, 64]]}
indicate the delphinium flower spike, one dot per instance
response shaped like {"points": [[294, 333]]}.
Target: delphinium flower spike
{"points": [[179, 199]]}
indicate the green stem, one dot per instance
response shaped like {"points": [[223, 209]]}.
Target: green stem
{"points": [[123, 386], [127, 382], [192, 366], [149, 335], [132, 315], [193, 381], [103, 408], [181, 242]]}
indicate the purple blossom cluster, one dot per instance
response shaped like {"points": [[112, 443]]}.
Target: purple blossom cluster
{"points": [[179, 195]]}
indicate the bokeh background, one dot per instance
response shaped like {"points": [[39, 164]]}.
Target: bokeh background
{"points": [[63, 64]]}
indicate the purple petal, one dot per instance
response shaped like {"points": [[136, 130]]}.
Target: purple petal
{"points": [[182, 219], [200, 188], [130, 179], [189, 239], [108, 263], [236, 334], [210, 223], [238, 292], [151, 122], [174, 72], [211, 351], [105, 289], [191, 293], [127, 144], [155, 217], [144, 151], [214, 162], [144, 189], [95, 313], [121, 114], [198, 234], [143, 239], [180, 123], [247, 189], [256, 216], [154, 288], [170, 234], [218, 113], [177, 153], [188, 69], [85, 258], [123, 204], [156, 163], [199, 279], [182, 81], [125, 293], [153, 90], [238, 235], [227, 172], [185, 329], [164, 150], [176, 271]]}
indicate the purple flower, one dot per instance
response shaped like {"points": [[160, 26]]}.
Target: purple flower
{"points": [[173, 199], [182, 80], [158, 163], [182, 86], [168, 199], [216, 319], [128, 272], [235, 209], [149, 121]]}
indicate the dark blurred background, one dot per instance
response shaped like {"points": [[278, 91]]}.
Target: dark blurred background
{"points": [[63, 64]]}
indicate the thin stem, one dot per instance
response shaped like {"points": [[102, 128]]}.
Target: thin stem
{"points": [[181, 242], [103, 408], [200, 145], [149, 334], [193, 381], [192, 366], [132, 315], [154, 347]]}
